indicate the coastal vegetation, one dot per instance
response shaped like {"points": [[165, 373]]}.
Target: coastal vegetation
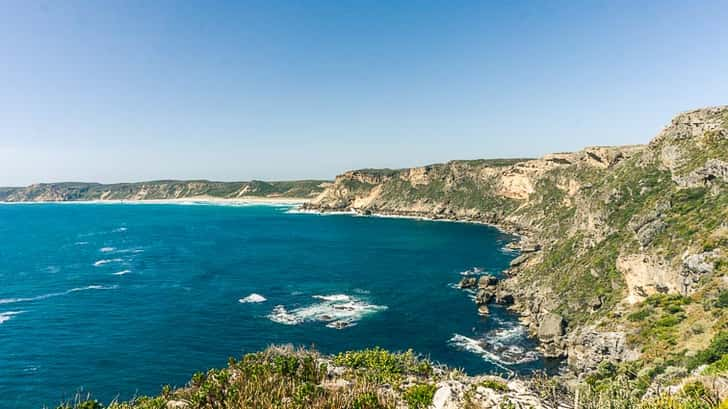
{"points": [[284, 377]]}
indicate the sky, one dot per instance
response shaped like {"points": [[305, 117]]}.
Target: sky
{"points": [[112, 91]]}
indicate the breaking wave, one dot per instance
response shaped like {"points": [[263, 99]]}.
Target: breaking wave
{"points": [[6, 316], [50, 295], [100, 263], [252, 298], [337, 311], [502, 346], [121, 273], [472, 271]]}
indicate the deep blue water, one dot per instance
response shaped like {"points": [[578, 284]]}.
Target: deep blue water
{"points": [[121, 299]]}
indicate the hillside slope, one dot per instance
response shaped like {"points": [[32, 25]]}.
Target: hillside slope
{"points": [[624, 249], [162, 189]]}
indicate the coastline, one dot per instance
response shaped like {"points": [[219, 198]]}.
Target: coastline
{"points": [[203, 200], [519, 235]]}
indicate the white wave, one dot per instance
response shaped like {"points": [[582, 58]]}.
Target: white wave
{"points": [[252, 298], [120, 230], [6, 316], [126, 251], [496, 352], [50, 295], [122, 272], [471, 272], [338, 311], [333, 297], [107, 249], [100, 263], [81, 243]]}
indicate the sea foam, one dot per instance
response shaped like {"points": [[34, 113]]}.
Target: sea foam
{"points": [[121, 273], [337, 311], [6, 316], [499, 347], [100, 263], [252, 298], [50, 295]]}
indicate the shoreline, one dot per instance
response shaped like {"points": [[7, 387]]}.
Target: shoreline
{"points": [[519, 236], [202, 200]]}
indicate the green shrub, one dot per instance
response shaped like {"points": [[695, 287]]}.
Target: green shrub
{"points": [[722, 301], [495, 385], [640, 315], [380, 365], [717, 349], [718, 367], [366, 400], [419, 396]]}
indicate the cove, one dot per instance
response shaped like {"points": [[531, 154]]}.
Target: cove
{"points": [[119, 299]]}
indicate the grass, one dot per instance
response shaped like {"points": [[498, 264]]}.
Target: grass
{"points": [[419, 396], [379, 365], [287, 378], [496, 385]]}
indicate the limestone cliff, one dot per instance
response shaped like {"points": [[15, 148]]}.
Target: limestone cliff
{"points": [[611, 230]]}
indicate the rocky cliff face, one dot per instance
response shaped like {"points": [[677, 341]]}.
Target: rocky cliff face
{"points": [[610, 228], [171, 189]]}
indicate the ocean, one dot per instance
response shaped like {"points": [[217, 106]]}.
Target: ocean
{"points": [[117, 300]]}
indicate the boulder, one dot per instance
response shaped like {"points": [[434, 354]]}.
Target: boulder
{"points": [[504, 297], [588, 347], [551, 326], [530, 247], [519, 260], [487, 280], [484, 297], [448, 395], [483, 310], [177, 404], [468, 282]]}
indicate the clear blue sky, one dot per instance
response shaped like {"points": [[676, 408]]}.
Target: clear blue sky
{"points": [[124, 91]]}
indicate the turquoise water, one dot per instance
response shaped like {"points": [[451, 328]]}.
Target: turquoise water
{"points": [[120, 299]]}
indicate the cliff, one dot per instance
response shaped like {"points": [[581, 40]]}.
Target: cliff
{"points": [[624, 250], [163, 189]]}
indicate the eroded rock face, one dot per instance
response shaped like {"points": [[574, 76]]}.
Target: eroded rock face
{"points": [[694, 267], [588, 347], [551, 327], [714, 170], [646, 275]]}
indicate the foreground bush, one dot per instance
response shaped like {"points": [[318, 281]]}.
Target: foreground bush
{"points": [[287, 378]]}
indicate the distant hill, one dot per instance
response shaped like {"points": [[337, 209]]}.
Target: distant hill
{"points": [[160, 189]]}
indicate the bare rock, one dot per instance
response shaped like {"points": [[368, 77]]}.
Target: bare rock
{"points": [[530, 247], [483, 310], [551, 326], [468, 282], [519, 260], [484, 297], [588, 347], [177, 404], [486, 281], [713, 170]]}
